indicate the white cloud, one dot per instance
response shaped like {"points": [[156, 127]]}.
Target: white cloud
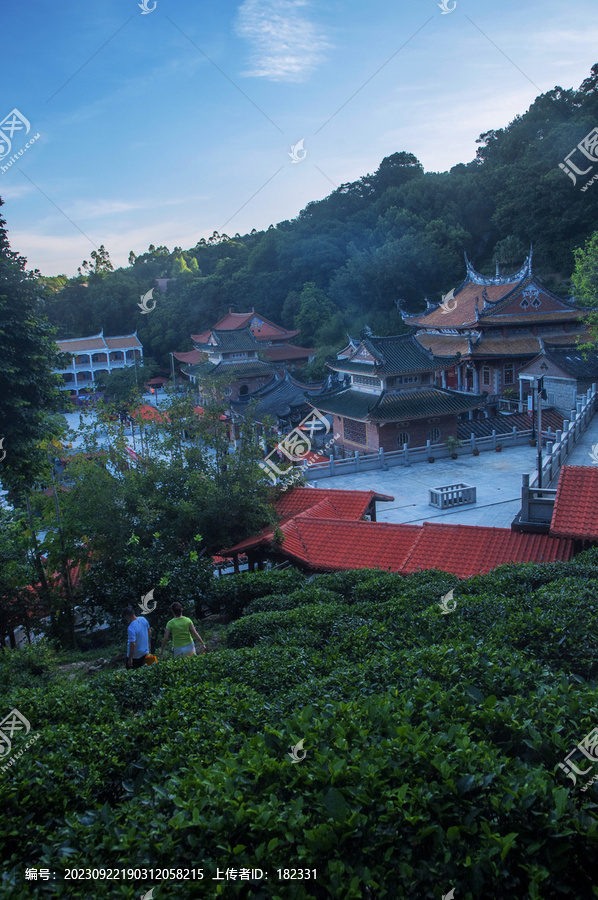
{"points": [[286, 45]]}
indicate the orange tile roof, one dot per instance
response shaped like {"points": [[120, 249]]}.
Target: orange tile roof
{"points": [[323, 538], [82, 345], [575, 513], [348, 504], [122, 341], [466, 550], [462, 306]]}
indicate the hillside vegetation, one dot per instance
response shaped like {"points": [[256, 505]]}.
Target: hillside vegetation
{"points": [[343, 261], [432, 743]]}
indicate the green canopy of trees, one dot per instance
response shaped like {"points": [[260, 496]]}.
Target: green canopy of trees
{"points": [[29, 392]]}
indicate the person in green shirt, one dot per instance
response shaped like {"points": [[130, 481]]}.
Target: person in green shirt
{"points": [[182, 630]]}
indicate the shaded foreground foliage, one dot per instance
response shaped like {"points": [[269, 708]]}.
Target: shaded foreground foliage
{"points": [[432, 746]]}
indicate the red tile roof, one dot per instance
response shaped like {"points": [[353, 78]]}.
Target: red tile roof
{"points": [[575, 513], [327, 545], [191, 357], [314, 503], [347, 504], [266, 330], [466, 550], [328, 535]]}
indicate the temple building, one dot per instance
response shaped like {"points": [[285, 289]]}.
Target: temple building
{"points": [[245, 346], [495, 325], [232, 355], [567, 373], [282, 402], [391, 392], [97, 355]]}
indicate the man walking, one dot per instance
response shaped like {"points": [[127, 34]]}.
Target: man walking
{"points": [[138, 638]]}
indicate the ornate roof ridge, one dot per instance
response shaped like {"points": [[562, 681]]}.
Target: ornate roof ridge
{"points": [[476, 278]]}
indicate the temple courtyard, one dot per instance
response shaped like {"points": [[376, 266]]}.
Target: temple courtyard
{"points": [[497, 477]]}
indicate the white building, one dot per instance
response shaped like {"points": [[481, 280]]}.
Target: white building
{"points": [[97, 355]]}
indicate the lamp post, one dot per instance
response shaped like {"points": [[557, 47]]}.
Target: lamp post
{"points": [[541, 396]]}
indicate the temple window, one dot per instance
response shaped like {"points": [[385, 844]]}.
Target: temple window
{"points": [[366, 380], [355, 432]]}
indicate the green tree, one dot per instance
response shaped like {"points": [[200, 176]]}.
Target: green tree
{"points": [[585, 284], [315, 309], [124, 387], [180, 267], [101, 263], [510, 252], [29, 391], [585, 274]]}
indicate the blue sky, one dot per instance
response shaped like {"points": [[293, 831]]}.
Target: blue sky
{"points": [[163, 127]]}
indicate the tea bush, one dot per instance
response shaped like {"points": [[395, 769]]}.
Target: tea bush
{"points": [[432, 747], [301, 597], [232, 594]]}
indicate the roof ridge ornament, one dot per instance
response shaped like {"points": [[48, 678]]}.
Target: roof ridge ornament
{"points": [[519, 275]]}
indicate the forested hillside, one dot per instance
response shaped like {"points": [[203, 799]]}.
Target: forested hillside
{"points": [[345, 260]]}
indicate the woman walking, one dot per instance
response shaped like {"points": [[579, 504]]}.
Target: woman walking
{"points": [[182, 630]]}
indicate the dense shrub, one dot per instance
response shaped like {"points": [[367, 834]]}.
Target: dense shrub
{"points": [[233, 593], [302, 597], [30, 665], [432, 747]]}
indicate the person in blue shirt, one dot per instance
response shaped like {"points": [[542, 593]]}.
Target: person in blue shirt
{"points": [[139, 636]]}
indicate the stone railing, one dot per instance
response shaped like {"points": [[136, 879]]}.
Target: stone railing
{"points": [[564, 442], [558, 447], [452, 495]]}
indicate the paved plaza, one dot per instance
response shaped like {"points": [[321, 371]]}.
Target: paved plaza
{"points": [[497, 477]]}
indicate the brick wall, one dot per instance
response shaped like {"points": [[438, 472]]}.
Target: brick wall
{"points": [[565, 394], [385, 436], [252, 384], [418, 430]]}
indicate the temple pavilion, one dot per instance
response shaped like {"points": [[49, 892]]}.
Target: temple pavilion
{"points": [[495, 325], [246, 348], [389, 393]]}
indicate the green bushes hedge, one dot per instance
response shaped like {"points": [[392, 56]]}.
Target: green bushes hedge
{"points": [[302, 597], [432, 747], [233, 593]]}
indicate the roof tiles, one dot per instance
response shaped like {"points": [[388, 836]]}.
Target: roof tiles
{"points": [[324, 531], [466, 550], [575, 513]]}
